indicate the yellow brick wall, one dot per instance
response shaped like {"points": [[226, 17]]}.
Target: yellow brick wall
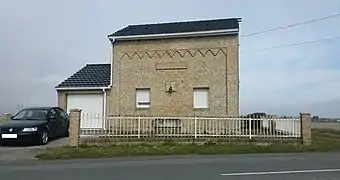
{"points": [[201, 62]]}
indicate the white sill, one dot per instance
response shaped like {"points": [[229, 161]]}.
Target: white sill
{"points": [[200, 109], [143, 107]]}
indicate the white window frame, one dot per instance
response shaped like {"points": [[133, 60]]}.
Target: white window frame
{"points": [[200, 102], [143, 98]]}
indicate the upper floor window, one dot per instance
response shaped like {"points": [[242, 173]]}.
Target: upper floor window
{"points": [[143, 98], [201, 98]]}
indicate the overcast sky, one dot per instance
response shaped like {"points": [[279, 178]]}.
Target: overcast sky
{"points": [[43, 42]]}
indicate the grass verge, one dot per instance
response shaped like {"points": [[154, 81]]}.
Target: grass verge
{"points": [[324, 140]]}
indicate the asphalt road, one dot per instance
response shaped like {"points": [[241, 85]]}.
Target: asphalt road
{"points": [[247, 167]]}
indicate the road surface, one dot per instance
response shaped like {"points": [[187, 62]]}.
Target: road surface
{"points": [[236, 167]]}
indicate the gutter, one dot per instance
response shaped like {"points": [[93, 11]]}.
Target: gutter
{"points": [[177, 35], [104, 109], [82, 88], [104, 103], [111, 62]]}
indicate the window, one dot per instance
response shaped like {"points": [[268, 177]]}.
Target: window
{"points": [[20, 115], [61, 113], [201, 98], [31, 114], [142, 98], [53, 113]]}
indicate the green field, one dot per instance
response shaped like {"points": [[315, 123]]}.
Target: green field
{"points": [[326, 125]]}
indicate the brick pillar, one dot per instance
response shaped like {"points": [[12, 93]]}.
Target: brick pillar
{"points": [[306, 128], [6, 117], [74, 129]]}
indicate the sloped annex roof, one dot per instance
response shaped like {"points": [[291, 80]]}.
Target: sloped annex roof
{"points": [[91, 75], [178, 27]]}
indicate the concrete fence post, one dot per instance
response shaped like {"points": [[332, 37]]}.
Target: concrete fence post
{"points": [[74, 129], [6, 117], [306, 128]]}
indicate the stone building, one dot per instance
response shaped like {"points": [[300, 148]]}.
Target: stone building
{"points": [[164, 69]]}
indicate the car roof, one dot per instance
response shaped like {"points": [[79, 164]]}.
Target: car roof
{"points": [[39, 108]]}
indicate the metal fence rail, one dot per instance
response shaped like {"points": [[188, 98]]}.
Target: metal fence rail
{"points": [[189, 127]]}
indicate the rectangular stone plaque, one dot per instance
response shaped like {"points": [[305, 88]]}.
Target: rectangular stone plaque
{"points": [[171, 66]]}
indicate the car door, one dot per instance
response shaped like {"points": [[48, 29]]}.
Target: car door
{"points": [[53, 122], [63, 120]]}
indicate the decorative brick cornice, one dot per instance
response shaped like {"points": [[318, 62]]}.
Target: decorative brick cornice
{"points": [[172, 53]]}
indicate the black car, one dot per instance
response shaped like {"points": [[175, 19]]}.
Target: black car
{"points": [[35, 125]]}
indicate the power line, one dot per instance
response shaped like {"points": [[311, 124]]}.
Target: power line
{"points": [[298, 44], [292, 25]]}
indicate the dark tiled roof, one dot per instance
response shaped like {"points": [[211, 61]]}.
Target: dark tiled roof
{"points": [[178, 27], [91, 75]]}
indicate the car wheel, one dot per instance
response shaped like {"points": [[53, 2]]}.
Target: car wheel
{"points": [[44, 138]]}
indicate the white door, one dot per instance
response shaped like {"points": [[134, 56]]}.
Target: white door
{"points": [[91, 106]]}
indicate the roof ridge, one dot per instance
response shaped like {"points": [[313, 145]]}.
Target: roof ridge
{"points": [[91, 64], [186, 21]]}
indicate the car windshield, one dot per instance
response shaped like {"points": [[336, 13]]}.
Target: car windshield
{"points": [[31, 114]]}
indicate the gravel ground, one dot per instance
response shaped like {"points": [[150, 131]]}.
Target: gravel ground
{"points": [[24, 153]]}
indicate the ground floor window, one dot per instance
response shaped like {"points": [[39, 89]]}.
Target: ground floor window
{"points": [[142, 97], [201, 98]]}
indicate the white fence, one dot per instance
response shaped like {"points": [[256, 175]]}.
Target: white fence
{"points": [[191, 127], [290, 125]]}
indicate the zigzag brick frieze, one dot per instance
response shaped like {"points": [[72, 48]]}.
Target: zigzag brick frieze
{"points": [[172, 53]]}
